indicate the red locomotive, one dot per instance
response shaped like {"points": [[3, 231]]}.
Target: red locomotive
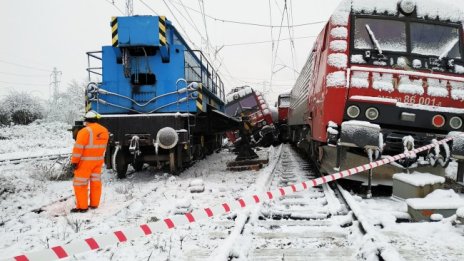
{"points": [[283, 104], [246, 102], [383, 77]]}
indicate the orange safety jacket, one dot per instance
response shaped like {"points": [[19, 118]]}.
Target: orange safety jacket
{"points": [[90, 144]]}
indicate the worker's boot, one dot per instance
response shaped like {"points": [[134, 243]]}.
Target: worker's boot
{"points": [[79, 210]]}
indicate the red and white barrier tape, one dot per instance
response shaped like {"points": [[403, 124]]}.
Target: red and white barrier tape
{"points": [[121, 236]]}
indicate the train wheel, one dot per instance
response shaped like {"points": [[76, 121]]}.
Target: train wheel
{"points": [[137, 165], [172, 161], [198, 152], [120, 164], [179, 158], [460, 172]]}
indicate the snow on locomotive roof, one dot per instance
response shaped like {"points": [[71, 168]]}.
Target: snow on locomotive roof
{"points": [[243, 92], [451, 10]]}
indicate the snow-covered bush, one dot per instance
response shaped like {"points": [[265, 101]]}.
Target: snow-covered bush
{"points": [[20, 108], [4, 116], [53, 170], [6, 187], [69, 105]]}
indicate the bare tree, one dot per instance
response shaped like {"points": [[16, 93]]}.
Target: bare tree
{"points": [[69, 105]]}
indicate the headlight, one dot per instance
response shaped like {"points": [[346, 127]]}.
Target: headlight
{"points": [[372, 113], [264, 123], [455, 123], [167, 138], [407, 6], [353, 111], [438, 121]]}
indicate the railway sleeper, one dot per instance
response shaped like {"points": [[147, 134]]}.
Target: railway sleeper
{"points": [[293, 216]]}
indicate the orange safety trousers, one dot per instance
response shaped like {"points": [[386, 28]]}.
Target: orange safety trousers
{"points": [[85, 172], [88, 154]]}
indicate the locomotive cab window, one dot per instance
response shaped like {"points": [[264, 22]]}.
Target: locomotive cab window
{"points": [[389, 34], [284, 101], [247, 104], [435, 40], [406, 42]]}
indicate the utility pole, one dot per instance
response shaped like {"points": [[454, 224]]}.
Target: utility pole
{"points": [[55, 84], [129, 7]]}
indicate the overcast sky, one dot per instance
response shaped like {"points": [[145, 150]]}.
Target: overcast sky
{"points": [[40, 35]]}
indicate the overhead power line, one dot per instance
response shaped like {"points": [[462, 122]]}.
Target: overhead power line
{"points": [[272, 37], [250, 23], [273, 61], [191, 19], [29, 84], [129, 7], [201, 4], [115, 6], [269, 41], [291, 35], [179, 24], [25, 75], [26, 66], [147, 6]]}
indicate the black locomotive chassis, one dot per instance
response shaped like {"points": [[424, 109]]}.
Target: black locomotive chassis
{"points": [[123, 128]]}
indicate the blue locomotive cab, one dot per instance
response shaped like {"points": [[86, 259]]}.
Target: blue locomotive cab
{"points": [[152, 80], [145, 68]]}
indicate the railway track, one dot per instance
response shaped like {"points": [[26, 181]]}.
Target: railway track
{"points": [[323, 222], [18, 160], [318, 224]]}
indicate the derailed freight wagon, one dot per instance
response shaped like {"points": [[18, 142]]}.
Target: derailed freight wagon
{"points": [[382, 78], [162, 102]]}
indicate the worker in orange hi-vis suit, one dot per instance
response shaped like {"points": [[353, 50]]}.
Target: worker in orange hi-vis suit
{"points": [[87, 160]]}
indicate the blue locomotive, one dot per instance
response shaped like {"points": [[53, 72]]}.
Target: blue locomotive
{"points": [[162, 102]]}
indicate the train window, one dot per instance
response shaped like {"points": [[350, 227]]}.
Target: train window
{"points": [[247, 103], [390, 34], [436, 40], [192, 68], [284, 101], [233, 109]]}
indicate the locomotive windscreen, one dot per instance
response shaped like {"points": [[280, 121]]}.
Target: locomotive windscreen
{"points": [[426, 39], [284, 101], [435, 40], [390, 34], [247, 103]]}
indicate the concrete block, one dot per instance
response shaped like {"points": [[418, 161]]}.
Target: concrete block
{"points": [[416, 185], [420, 209]]}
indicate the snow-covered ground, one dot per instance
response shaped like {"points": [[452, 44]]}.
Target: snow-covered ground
{"points": [[143, 197], [37, 139], [151, 195], [414, 240]]}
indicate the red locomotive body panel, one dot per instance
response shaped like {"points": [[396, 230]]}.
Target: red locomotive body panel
{"points": [[403, 72], [283, 103], [283, 114]]}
